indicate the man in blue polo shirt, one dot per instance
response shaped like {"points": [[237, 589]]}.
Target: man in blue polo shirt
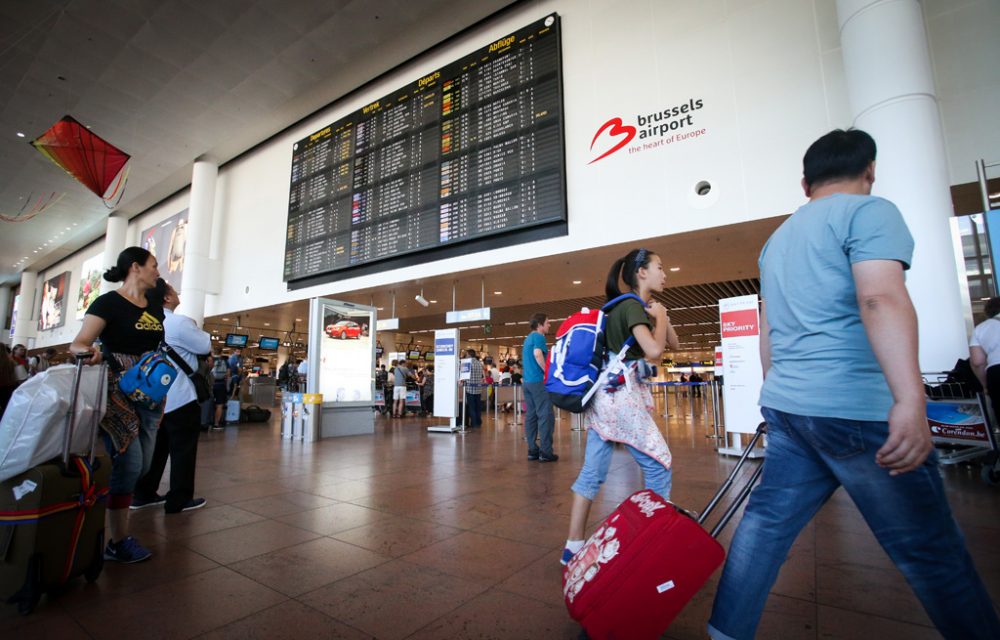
{"points": [[538, 420], [844, 401]]}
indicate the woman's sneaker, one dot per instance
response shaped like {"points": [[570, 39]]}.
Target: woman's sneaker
{"points": [[126, 550]]}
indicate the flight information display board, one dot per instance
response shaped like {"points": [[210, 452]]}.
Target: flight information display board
{"points": [[471, 150]]}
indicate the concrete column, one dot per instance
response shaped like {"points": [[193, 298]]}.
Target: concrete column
{"points": [[114, 243], [24, 328], [4, 305], [197, 277], [891, 89]]}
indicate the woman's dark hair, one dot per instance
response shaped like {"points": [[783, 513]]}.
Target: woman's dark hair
{"points": [[626, 268], [119, 272], [158, 294], [992, 307], [838, 155]]}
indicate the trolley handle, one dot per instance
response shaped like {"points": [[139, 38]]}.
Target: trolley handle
{"points": [[724, 489]]}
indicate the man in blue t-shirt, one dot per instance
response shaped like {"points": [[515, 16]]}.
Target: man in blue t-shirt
{"points": [[538, 420], [844, 401]]}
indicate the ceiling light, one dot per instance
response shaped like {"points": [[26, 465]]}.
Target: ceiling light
{"points": [[433, 301], [380, 308], [298, 319], [578, 282], [20, 135], [267, 324], [675, 268], [225, 319], [498, 293]]}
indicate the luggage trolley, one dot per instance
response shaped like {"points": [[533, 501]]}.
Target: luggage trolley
{"points": [[962, 424]]}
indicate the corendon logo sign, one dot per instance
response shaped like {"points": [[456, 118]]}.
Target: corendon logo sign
{"points": [[738, 324], [652, 130]]}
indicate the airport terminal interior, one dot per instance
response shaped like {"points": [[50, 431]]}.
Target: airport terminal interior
{"points": [[348, 184]]}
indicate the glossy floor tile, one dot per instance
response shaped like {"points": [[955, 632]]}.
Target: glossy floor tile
{"points": [[406, 534]]}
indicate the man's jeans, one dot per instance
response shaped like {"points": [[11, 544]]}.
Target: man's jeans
{"points": [[538, 421], [807, 460]]}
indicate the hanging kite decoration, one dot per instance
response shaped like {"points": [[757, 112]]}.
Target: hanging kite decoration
{"points": [[92, 160], [32, 207]]}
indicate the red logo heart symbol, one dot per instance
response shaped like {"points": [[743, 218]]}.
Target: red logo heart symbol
{"points": [[617, 128]]}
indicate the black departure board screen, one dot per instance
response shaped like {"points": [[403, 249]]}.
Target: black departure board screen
{"points": [[471, 150]]}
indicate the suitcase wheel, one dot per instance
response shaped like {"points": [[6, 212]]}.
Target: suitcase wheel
{"points": [[93, 572], [31, 591]]}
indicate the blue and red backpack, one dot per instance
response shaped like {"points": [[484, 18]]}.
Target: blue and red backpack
{"points": [[579, 357]]}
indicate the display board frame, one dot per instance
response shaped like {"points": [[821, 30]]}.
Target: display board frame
{"points": [[343, 147]]}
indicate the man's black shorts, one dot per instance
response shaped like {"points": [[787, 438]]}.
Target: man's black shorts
{"points": [[219, 391]]}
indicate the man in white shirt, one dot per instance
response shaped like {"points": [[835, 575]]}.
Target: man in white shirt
{"points": [[178, 434]]}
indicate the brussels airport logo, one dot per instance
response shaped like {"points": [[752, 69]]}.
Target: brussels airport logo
{"points": [[653, 130]]}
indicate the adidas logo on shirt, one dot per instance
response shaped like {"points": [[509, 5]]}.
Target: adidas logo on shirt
{"points": [[147, 322]]}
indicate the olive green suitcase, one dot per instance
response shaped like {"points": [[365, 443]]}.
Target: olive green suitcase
{"points": [[52, 521]]}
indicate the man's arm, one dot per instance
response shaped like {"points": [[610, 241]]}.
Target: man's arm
{"points": [[765, 339], [539, 358], [977, 359], [891, 324]]}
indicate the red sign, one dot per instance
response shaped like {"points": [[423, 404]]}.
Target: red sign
{"points": [[718, 358], [739, 324]]}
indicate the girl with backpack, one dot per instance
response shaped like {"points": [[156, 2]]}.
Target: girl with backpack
{"points": [[622, 410]]}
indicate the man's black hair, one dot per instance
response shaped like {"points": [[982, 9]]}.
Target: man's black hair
{"points": [[838, 155]]}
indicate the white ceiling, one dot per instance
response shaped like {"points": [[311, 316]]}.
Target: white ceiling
{"points": [[170, 80]]}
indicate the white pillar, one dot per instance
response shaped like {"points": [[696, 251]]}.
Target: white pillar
{"points": [[891, 89], [4, 305], [196, 279], [24, 328], [114, 243]]}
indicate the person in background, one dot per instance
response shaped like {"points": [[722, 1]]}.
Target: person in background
{"points": [[474, 391], [515, 375], [19, 354], [220, 389], [302, 370], [505, 375], [427, 390], [283, 375], [844, 402], [8, 379], [400, 376], [539, 420], [41, 362], [177, 436], [235, 372], [128, 325], [984, 353]]}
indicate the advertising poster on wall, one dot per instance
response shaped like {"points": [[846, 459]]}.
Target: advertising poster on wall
{"points": [[166, 241], [743, 374], [53, 311], [90, 284], [13, 316], [346, 355]]}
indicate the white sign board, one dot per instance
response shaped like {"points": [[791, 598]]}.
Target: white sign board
{"points": [[743, 375], [342, 366], [446, 347]]}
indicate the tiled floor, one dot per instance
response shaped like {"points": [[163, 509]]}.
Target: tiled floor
{"points": [[406, 534]]}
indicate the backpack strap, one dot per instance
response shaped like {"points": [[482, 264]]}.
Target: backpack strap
{"points": [[625, 296], [177, 359]]}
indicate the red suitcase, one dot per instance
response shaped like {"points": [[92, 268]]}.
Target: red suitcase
{"points": [[645, 562]]}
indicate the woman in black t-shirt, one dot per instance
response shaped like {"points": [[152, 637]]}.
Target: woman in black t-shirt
{"points": [[128, 326]]}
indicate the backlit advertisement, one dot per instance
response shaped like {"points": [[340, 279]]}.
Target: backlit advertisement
{"points": [[346, 354], [90, 284]]}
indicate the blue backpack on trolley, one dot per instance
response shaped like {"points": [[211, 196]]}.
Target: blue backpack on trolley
{"points": [[578, 363]]}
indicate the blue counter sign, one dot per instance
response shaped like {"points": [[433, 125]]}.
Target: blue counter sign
{"points": [[445, 347]]}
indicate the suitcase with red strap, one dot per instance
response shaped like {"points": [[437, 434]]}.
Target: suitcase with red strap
{"points": [[645, 562], [52, 519]]}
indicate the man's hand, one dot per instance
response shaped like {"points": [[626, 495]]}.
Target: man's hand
{"points": [[909, 442]]}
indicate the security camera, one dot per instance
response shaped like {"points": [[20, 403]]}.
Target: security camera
{"points": [[422, 300]]}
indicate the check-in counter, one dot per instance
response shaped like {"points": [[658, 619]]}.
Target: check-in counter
{"points": [[259, 391]]}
